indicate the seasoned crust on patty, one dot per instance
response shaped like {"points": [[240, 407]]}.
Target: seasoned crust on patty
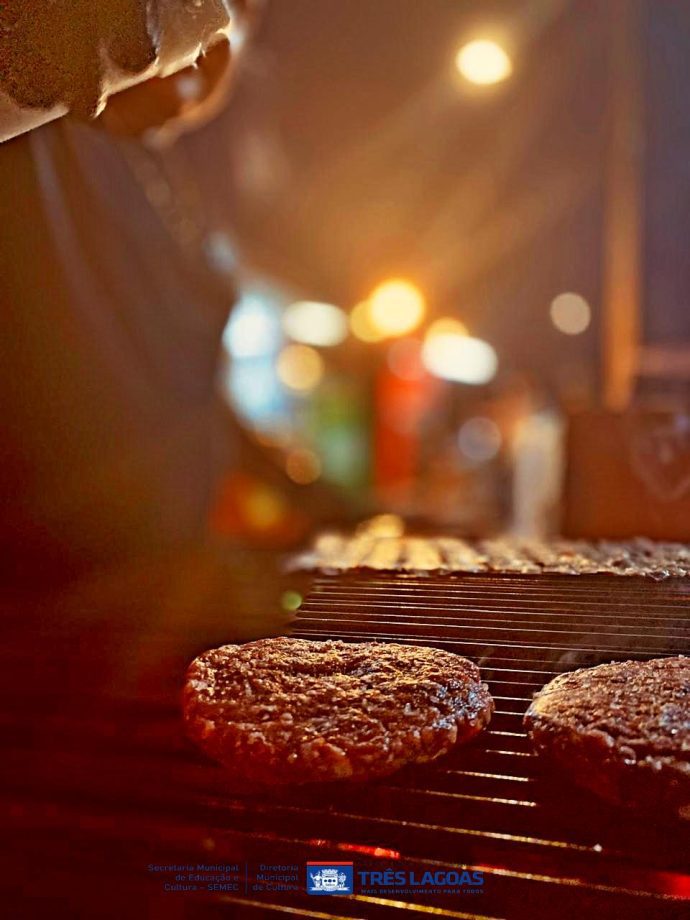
{"points": [[621, 730], [295, 711]]}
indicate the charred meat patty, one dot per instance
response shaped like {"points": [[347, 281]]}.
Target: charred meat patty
{"points": [[285, 710], [621, 730]]}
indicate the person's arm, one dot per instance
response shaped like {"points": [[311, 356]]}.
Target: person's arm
{"points": [[57, 58]]}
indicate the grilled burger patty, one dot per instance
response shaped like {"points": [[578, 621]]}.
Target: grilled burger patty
{"points": [[294, 711], [621, 730]]}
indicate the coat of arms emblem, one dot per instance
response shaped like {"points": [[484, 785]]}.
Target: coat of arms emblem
{"points": [[329, 879]]}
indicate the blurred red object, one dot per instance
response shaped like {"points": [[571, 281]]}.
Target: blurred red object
{"points": [[402, 397], [256, 513]]}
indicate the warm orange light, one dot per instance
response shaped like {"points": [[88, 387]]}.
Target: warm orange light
{"points": [[483, 62], [303, 466], [447, 325], [300, 367], [362, 325], [263, 508], [396, 307]]}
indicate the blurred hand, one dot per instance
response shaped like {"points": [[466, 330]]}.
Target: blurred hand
{"points": [[161, 109]]}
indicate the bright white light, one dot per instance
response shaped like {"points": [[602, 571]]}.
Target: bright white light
{"points": [[483, 62], [459, 357], [253, 329], [479, 439], [570, 313], [315, 323]]}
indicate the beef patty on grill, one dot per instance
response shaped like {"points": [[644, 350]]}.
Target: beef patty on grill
{"points": [[295, 711], [621, 730]]}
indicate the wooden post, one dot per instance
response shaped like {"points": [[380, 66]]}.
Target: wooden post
{"points": [[623, 208]]}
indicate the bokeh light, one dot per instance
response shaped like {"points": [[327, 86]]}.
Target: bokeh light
{"points": [[254, 328], [314, 323], [300, 367], [220, 253], [447, 325], [383, 525], [362, 325], [452, 355], [570, 313], [479, 439], [405, 359], [396, 307], [483, 62], [291, 600], [263, 507], [302, 466]]}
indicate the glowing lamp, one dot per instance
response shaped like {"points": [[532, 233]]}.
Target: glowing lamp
{"points": [[483, 62], [314, 323], [396, 307], [461, 358]]}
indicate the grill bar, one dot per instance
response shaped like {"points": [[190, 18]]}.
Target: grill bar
{"points": [[111, 783], [523, 631]]}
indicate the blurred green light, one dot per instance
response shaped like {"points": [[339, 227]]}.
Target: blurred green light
{"points": [[291, 600]]}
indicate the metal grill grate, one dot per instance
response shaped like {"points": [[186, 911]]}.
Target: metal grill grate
{"points": [[111, 784], [546, 849]]}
